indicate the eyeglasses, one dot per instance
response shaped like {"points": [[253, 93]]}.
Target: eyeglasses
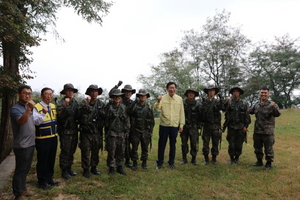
{"points": [[26, 93]]}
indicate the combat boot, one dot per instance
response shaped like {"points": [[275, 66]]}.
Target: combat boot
{"points": [[120, 170], [134, 166], [111, 171], [194, 160], [127, 163], [232, 160], [71, 172], [206, 160], [144, 164], [86, 173], [214, 160], [95, 171], [65, 174], [268, 165], [237, 160], [259, 163], [184, 160]]}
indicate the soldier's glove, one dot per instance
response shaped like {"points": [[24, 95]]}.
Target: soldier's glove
{"points": [[120, 83]]}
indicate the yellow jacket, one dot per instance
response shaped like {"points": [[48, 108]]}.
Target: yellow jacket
{"points": [[172, 111]]}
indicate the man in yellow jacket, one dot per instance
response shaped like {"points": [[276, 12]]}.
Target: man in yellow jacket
{"points": [[172, 120]]}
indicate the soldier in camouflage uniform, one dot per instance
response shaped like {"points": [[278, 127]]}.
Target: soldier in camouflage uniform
{"points": [[67, 128], [192, 109], [211, 118], [142, 123], [237, 119], [91, 114], [116, 130], [265, 112]]}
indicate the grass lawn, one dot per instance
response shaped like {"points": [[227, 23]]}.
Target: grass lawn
{"points": [[221, 181]]}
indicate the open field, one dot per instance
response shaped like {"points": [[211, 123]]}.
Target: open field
{"points": [[222, 181]]}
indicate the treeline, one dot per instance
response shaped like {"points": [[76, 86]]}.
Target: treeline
{"points": [[222, 55]]}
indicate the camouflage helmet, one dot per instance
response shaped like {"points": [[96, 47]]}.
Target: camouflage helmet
{"points": [[128, 88], [143, 92], [210, 87], [93, 87], [236, 88], [68, 86], [191, 90], [116, 92]]}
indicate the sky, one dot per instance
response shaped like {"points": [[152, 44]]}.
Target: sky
{"points": [[136, 32]]}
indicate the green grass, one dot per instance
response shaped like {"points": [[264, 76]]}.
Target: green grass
{"points": [[222, 181]]}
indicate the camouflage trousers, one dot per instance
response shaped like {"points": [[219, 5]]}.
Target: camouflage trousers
{"points": [[190, 132], [266, 141], [90, 145], [215, 136], [115, 151], [127, 147], [235, 138], [68, 145], [135, 140]]}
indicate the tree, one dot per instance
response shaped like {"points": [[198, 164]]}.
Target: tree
{"points": [[218, 51], [21, 23], [279, 66]]}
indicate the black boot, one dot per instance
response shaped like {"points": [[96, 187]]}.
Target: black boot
{"points": [[127, 163], [144, 164], [259, 163], [184, 160], [268, 165], [214, 160], [194, 160], [65, 174], [120, 170], [86, 173], [71, 172], [206, 160], [95, 171], [111, 171], [237, 160], [134, 166], [232, 160]]}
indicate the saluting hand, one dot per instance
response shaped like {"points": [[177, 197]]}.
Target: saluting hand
{"points": [[88, 99], [67, 100], [159, 98]]}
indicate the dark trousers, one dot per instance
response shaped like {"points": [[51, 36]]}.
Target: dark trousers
{"points": [[136, 138], [235, 138], [46, 153], [166, 132], [190, 133], [23, 157], [115, 151], [68, 146], [266, 141], [215, 136], [90, 146]]}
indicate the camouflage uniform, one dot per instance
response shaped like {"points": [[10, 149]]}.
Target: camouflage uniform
{"points": [[91, 132], [116, 130], [192, 111], [142, 123], [264, 129], [67, 128], [236, 118]]}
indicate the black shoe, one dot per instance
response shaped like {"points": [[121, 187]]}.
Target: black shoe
{"points": [[193, 161], [128, 164], [120, 170], [65, 174], [111, 171], [71, 172], [214, 160], [184, 161], [53, 183], [172, 166], [86, 173], [158, 167], [144, 164], [206, 160], [45, 186], [95, 171], [268, 166], [258, 164], [134, 166]]}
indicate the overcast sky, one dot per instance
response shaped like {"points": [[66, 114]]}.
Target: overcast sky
{"points": [[136, 32]]}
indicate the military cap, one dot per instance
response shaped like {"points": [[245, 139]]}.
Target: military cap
{"points": [[191, 90], [68, 86], [236, 88], [93, 87], [143, 92], [210, 87], [116, 92], [128, 88]]}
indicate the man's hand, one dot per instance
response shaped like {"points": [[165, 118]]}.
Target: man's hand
{"points": [[67, 100], [228, 99], [244, 129], [45, 109], [180, 129], [159, 98], [30, 105], [88, 99], [272, 103]]}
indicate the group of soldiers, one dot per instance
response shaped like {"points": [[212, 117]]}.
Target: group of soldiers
{"points": [[123, 124]]}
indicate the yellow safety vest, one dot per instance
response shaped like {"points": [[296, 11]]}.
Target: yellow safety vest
{"points": [[48, 128]]}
